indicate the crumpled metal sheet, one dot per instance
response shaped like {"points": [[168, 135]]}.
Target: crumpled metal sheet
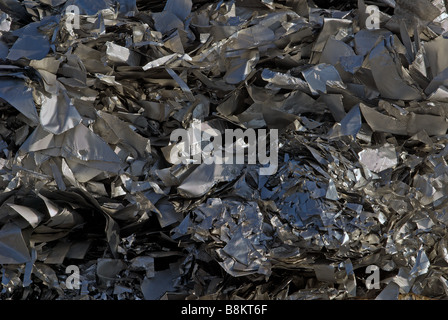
{"points": [[88, 170]]}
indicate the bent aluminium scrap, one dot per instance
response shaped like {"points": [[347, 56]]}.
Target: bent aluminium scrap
{"points": [[187, 149]]}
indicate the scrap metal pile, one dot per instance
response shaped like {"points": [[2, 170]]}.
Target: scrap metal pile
{"points": [[89, 98]]}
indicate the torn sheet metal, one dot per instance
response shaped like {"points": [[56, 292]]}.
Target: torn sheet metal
{"points": [[321, 76], [14, 249], [19, 95], [407, 123], [380, 159], [121, 55], [390, 78], [53, 108], [33, 43]]}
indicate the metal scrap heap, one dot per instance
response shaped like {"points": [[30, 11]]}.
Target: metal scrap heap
{"points": [[94, 203]]}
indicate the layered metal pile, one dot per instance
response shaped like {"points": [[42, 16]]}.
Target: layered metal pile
{"points": [[89, 100]]}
